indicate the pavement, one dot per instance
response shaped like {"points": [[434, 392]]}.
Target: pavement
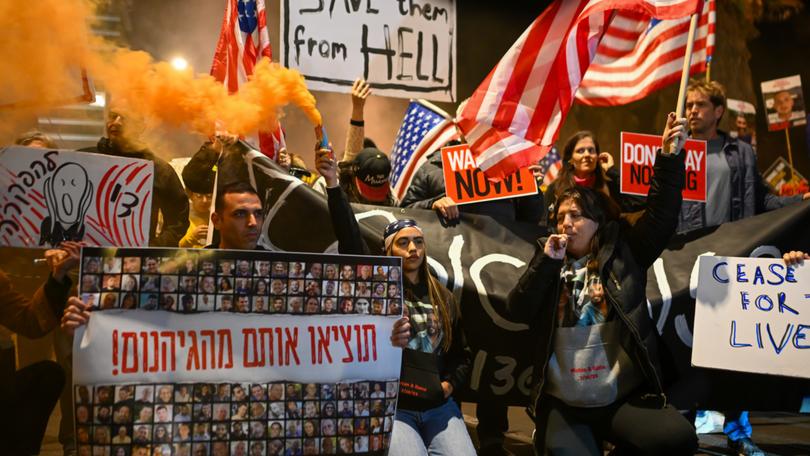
{"points": [[777, 433]]}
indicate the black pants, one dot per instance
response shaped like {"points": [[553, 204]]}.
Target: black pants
{"points": [[493, 422], [30, 396], [633, 425]]}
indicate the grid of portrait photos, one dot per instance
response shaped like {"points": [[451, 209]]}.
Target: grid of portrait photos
{"points": [[181, 280], [201, 419], [235, 418]]}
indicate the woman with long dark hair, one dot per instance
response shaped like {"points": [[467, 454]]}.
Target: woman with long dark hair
{"points": [[597, 375], [427, 420], [582, 165]]}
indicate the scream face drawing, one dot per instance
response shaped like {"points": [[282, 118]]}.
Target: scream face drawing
{"points": [[69, 193]]}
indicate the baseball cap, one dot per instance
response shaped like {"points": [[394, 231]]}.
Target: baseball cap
{"points": [[372, 168]]}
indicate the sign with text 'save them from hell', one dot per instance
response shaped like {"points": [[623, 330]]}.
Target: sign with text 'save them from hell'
{"points": [[753, 315], [404, 49], [465, 183], [638, 157]]}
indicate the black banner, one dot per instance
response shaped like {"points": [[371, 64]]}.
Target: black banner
{"points": [[480, 260]]}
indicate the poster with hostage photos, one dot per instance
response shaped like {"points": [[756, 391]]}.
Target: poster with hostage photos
{"points": [[207, 352], [784, 102]]}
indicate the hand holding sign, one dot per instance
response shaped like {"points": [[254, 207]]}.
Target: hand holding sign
{"points": [[447, 207], [63, 259], [795, 258], [76, 314]]}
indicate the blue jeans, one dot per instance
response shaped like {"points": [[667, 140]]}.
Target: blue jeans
{"points": [[434, 432]]}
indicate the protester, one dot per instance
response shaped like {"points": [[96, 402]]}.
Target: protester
{"points": [[595, 254], [431, 420], [32, 392], [238, 216], [584, 164], [168, 197], [198, 176], [736, 190], [37, 139]]}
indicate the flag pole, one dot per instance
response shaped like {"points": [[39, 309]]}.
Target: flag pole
{"points": [[790, 153], [687, 64]]}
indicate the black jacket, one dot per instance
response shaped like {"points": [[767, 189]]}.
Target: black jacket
{"points": [[453, 365], [168, 196], [427, 187], [626, 252]]}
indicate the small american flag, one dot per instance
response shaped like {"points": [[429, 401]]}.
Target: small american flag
{"points": [[424, 129], [515, 115], [237, 52], [640, 55], [550, 166]]}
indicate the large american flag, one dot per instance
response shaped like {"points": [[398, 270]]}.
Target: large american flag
{"points": [[424, 129], [237, 53], [640, 55], [515, 115]]}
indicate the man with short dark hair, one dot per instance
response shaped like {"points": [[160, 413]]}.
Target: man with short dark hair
{"points": [[238, 216]]}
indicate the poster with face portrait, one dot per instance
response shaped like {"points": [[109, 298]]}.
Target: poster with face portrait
{"points": [[50, 196], [784, 102], [236, 352], [740, 121]]}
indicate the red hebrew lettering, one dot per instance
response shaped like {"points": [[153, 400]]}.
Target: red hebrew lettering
{"points": [[225, 338], [291, 345], [193, 353], [250, 334], [115, 352], [323, 345], [373, 331], [312, 357], [145, 346], [361, 357], [171, 335], [130, 338], [210, 334], [346, 334], [268, 334], [156, 358]]}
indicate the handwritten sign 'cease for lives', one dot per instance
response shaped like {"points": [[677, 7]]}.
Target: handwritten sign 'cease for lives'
{"points": [[53, 195], [753, 315], [465, 183], [403, 48], [638, 157]]}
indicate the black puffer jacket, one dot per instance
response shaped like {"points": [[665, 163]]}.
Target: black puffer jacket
{"points": [[625, 254], [427, 187], [168, 196]]}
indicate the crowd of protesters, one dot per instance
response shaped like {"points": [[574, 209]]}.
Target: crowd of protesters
{"points": [[588, 276]]}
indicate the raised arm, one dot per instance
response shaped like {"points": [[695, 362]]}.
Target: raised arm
{"points": [[354, 139]]}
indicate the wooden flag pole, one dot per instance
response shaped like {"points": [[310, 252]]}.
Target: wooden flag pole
{"points": [[687, 64]]}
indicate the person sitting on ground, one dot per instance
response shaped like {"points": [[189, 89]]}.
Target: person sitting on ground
{"points": [[168, 197], [32, 391], [429, 420], [587, 282]]}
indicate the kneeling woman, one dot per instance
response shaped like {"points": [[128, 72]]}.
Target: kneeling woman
{"points": [[435, 355], [596, 374]]}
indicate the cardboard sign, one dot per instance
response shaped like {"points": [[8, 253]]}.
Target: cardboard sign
{"points": [[465, 183], [752, 315], [404, 49], [53, 195], [784, 102], [784, 180], [638, 157], [222, 349]]}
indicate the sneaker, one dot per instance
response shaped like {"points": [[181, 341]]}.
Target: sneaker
{"points": [[745, 447]]}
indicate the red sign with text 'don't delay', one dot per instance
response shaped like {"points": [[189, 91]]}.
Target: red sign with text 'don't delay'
{"points": [[638, 157], [465, 183]]}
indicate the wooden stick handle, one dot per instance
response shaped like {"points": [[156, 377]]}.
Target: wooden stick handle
{"points": [[687, 64]]}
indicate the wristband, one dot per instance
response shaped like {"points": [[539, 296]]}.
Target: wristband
{"points": [[357, 123]]}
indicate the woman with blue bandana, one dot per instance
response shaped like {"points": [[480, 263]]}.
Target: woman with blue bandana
{"points": [[435, 360]]}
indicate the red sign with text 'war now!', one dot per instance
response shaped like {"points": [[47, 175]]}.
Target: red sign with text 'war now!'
{"points": [[638, 157], [465, 183]]}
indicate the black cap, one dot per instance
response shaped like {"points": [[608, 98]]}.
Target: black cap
{"points": [[372, 169], [199, 173]]}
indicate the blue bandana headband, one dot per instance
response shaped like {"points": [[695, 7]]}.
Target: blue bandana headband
{"points": [[395, 227]]}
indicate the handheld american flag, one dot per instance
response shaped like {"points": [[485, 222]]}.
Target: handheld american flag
{"points": [[424, 129], [550, 166], [237, 53], [515, 115], [640, 55]]}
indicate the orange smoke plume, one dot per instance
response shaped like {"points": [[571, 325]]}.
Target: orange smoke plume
{"points": [[51, 41]]}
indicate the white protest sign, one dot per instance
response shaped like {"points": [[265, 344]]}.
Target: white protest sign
{"points": [[143, 346], [55, 195], [753, 315], [403, 48]]}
